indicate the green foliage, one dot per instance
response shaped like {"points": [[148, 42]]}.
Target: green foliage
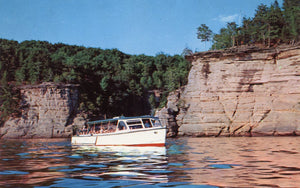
{"points": [[227, 36], [291, 15], [8, 99], [204, 33], [152, 101], [270, 25], [111, 82]]}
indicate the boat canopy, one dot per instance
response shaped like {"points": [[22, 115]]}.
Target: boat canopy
{"points": [[118, 118]]}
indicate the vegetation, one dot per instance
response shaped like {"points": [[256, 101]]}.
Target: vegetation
{"points": [[114, 83], [204, 33], [111, 82], [270, 26]]}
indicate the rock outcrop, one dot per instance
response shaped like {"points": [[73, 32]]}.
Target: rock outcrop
{"points": [[48, 111], [167, 115], [251, 92]]}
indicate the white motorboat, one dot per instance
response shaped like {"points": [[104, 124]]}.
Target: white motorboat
{"points": [[122, 131]]}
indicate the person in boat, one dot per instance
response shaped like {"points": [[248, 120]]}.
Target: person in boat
{"points": [[121, 125], [84, 130], [147, 124]]}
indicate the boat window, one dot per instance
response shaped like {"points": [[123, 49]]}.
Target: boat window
{"points": [[156, 123], [133, 121], [106, 127], [122, 125], [147, 123], [134, 124]]}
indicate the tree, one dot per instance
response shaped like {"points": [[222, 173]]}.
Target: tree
{"points": [[247, 31], [8, 59], [270, 26], [104, 83], [186, 51], [152, 101], [232, 30], [227, 36], [291, 15], [110, 82], [275, 23], [157, 80], [8, 99], [261, 25], [204, 33]]}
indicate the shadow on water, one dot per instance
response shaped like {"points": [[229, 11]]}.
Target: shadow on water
{"points": [[199, 162]]}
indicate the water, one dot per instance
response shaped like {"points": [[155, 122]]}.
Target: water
{"points": [[184, 162]]}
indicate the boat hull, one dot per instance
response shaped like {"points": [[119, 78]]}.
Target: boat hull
{"points": [[86, 140], [142, 137]]}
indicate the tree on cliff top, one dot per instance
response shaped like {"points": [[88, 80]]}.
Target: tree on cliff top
{"points": [[227, 36], [204, 33], [291, 15], [269, 26]]}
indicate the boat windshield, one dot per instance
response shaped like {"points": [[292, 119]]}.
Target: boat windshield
{"points": [[156, 123], [121, 125]]}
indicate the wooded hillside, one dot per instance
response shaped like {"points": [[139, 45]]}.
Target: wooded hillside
{"points": [[110, 82]]}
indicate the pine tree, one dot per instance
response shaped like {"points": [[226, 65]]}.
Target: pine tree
{"points": [[292, 20], [275, 23], [204, 33], [227, 37], [261, 25]]}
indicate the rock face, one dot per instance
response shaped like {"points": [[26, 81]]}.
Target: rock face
{"points": [[167, 115], [48, 111], [253, 92]]}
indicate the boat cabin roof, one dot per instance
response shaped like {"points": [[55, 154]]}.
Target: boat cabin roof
{"points": [[119, 118]]}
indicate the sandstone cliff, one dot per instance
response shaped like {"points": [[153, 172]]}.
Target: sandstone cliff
{"points": [[47, 111], [249, 92]]}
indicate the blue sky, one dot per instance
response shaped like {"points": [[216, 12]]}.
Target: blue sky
{"points": [[132, 26]]}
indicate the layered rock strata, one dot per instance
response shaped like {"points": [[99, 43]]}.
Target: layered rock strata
{"points": [[48, 111], [250, 92]]}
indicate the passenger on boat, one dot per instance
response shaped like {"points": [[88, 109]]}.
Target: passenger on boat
{"points": [[147, 124], [84, 130], [121, 125]]}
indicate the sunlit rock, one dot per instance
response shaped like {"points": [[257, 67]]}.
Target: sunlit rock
{"points": [[242, 92], [48, 111]]}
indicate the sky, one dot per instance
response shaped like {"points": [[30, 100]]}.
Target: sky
{"points": [[134, 27]]}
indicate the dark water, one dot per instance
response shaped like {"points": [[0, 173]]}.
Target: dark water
{"points": [[185, 162]]}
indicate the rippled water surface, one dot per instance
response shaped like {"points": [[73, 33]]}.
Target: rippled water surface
{"points": [[184, 162]]}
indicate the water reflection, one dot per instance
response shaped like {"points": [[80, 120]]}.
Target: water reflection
{"points": [[25, 163], [147, 164], [243, 162], [208, 162]]}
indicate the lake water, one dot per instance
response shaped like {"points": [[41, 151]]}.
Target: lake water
{"points": [[184, 162]]}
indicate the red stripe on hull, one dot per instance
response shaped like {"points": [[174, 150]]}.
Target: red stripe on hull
{"points": [[139, 145]]}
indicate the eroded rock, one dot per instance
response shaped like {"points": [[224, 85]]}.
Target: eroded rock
{"points": [[242, 93], [48, 111]]}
